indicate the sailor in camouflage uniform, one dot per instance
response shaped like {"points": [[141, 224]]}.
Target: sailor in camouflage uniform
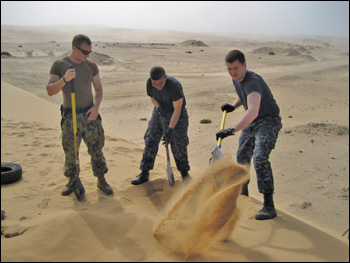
{"points": [[89, 124], [259, 127], [169, 103]]}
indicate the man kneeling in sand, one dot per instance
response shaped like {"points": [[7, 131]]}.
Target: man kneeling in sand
{"points": [[89, 122], [169, 103]]}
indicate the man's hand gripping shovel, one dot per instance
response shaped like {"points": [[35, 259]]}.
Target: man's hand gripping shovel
{"points": [[76, 184], [169, 171]]}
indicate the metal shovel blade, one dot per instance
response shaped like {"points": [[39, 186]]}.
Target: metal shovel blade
{"points": [[170, 174], [78, 189], [169, 171], [217, 154]]}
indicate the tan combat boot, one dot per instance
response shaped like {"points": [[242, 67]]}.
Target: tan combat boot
{"points": [[103, 185]]}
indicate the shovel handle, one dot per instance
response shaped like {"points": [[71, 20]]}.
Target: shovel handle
{"points": [[74, 118], [222, 125]]}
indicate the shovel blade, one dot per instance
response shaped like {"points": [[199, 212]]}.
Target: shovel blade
{"points": [[170, 174], [78, 189], [217, 154]]}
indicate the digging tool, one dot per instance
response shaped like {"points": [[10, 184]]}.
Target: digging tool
{"points": [[76, 184], [217, 154], [169, 171]]}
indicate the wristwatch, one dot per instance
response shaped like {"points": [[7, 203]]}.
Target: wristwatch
{"points": [[64, 80]]}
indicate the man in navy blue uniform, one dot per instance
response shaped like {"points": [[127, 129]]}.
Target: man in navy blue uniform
{"points": [[170, 104], [259, 127]]}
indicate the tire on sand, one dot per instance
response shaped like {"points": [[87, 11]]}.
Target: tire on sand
{"points": [[10, 173]]}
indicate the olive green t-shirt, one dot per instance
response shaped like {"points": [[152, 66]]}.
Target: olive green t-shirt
{"points": [[82, 81]]}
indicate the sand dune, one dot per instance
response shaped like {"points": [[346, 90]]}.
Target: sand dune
{"points": [[153, 221]]}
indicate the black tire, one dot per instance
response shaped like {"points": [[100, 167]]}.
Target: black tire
{"points": [[10, 173]]}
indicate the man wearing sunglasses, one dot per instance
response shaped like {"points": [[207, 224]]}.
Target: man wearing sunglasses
{"points": [[89, 123]]}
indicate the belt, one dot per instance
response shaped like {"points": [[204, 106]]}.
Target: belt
{"points": [[67, 110]]}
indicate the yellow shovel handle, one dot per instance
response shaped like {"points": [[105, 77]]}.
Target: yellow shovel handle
{"points": [[75, 129], [222, 125]]}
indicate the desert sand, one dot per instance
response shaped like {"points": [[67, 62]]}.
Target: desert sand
{"points": [[309, 77]]}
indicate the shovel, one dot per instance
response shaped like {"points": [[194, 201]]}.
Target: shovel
{"points": [[76, 184], [169, 171], [217, 154]]}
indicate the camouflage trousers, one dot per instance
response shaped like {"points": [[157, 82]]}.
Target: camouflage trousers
{"points": [[258, 139], [93, 135], [178, 141]]}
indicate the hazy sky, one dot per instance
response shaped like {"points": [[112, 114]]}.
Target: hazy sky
{"points": [[320, 18]]}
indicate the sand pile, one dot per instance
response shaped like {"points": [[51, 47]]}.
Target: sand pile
{"points": [[298, 51], [193, 43], [102, 59], [277, 50]]}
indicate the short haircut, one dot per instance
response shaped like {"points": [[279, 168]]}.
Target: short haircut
{"points": [[157, 73], [234, 55], [80, 39]]}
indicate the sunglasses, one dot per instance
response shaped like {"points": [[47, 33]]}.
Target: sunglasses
{"points": [[83, 51]]}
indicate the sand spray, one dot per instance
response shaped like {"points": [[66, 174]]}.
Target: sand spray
{"points": [[206, 212]]}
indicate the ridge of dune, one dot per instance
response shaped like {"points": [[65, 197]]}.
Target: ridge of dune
{"points": [[22, 105]]}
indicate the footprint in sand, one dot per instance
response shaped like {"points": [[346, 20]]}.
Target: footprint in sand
{"points": [[44, 203]]}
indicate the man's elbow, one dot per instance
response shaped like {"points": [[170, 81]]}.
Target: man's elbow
{"points": [[49, 91], [254, 114]]}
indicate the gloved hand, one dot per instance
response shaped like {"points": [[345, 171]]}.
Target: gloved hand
{"points": [[224, 133], [168, 134], [159, 110], [227, 107]]}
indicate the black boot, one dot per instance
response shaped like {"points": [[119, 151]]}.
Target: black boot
{"points": [[141, 178], [268, 211], [186, 177], [67, 189], [244, 189]]}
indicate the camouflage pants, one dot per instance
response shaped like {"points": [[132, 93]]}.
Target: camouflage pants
{"points": [[93, 135], [178, 141], [258, 139]]}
